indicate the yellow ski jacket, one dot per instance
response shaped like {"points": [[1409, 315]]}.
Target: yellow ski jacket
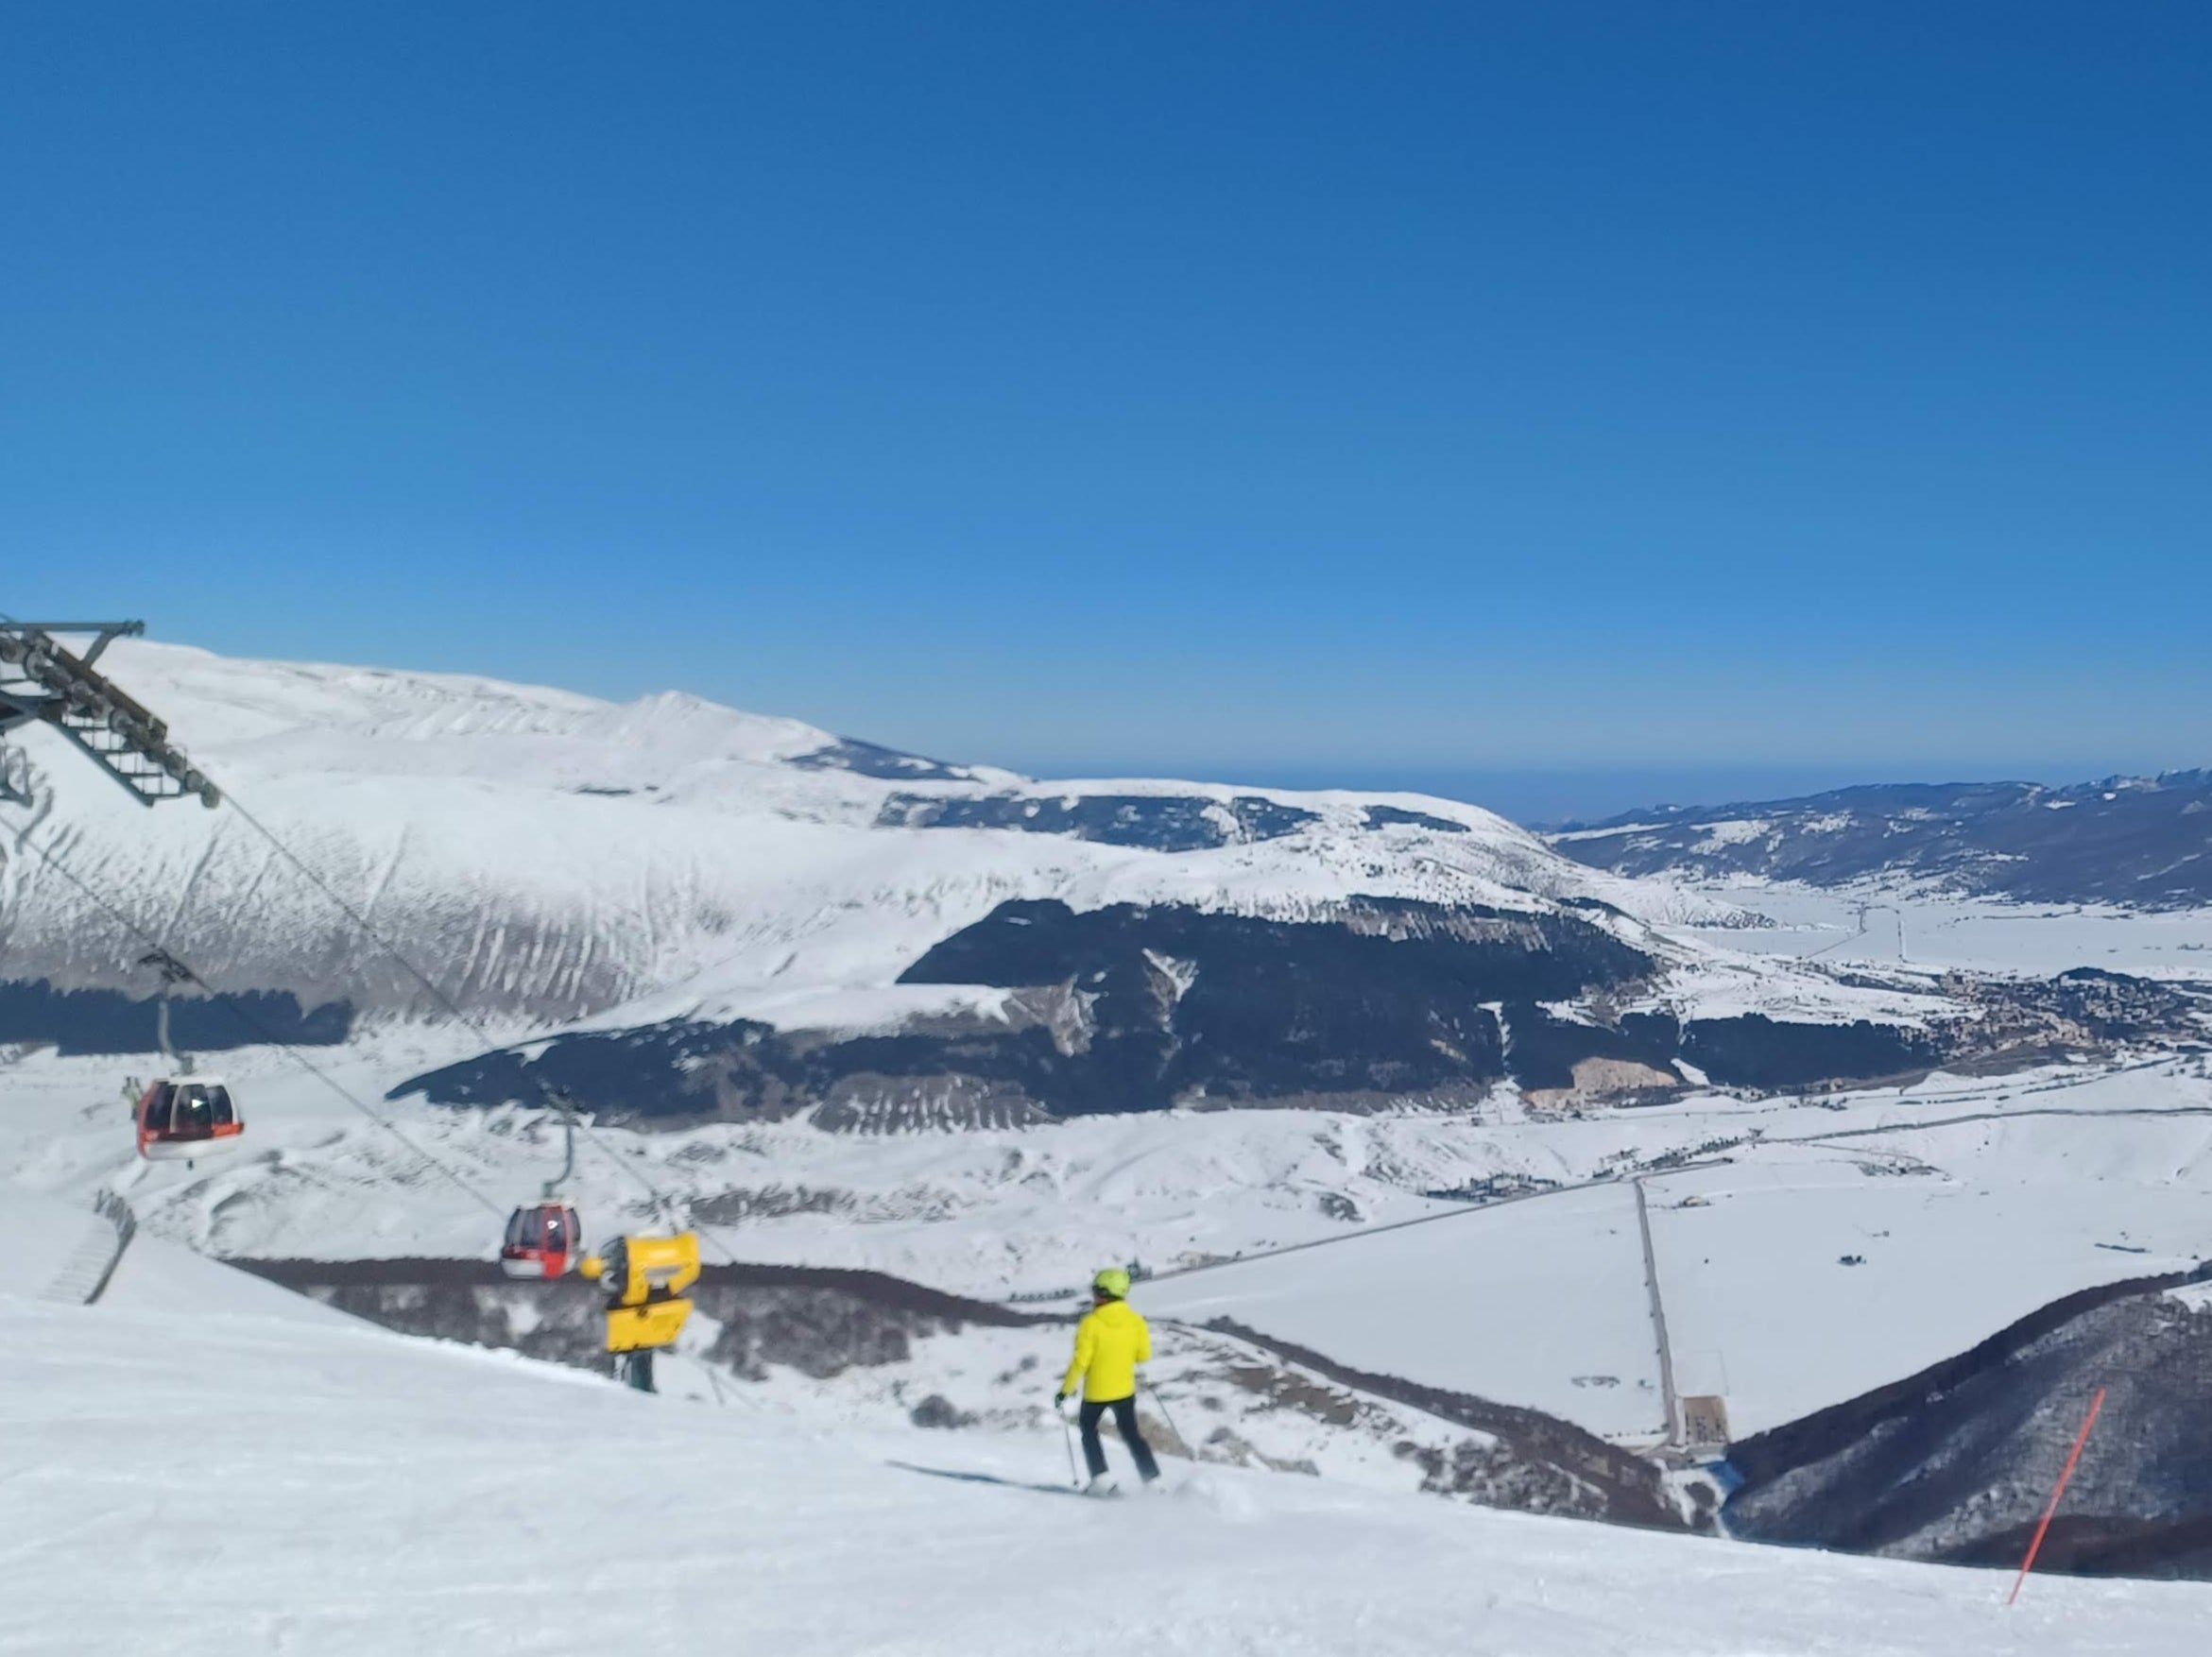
{"points": [[1110, 1343]]}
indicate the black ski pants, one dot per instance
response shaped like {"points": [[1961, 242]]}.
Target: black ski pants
{"points": [[1125, 1418]]}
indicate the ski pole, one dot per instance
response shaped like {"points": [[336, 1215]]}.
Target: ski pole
{"points": [[1160, 1404], [1068, 1436]]}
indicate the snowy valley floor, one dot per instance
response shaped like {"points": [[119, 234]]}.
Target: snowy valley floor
{"points": [[1839, 1244], [254, 1475], [1888, 923]]}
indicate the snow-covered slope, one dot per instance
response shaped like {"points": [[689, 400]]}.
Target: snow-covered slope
{"points": [[38, 1233], [1956, 1461], [859, 1351], [341, 1490]]}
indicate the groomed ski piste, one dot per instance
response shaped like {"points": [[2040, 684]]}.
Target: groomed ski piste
{"points": [[202, 1464]]}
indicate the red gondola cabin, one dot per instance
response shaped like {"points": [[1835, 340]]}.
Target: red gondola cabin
{"points": [[542, 1240], [186, 1116]]}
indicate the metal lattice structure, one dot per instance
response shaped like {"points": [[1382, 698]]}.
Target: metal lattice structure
{"points": [[41, 680]]}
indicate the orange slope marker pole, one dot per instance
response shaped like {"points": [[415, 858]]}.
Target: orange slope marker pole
{"points": [[2034, 1548]]}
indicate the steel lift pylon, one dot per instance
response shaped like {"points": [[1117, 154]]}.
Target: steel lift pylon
{"points": [[43, 679]]}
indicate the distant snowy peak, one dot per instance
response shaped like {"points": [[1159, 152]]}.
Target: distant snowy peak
{"points": [[2140, 841], [220, 705]]}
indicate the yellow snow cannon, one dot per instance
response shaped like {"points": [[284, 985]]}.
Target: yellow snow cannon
{"points": [[644, 1278]]}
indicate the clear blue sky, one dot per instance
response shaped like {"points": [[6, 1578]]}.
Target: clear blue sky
{"points": [[1287, 391]]}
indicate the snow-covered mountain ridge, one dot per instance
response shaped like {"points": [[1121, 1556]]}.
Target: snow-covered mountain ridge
{"points": [[721, 895], [560, 855], [2140, 841]]}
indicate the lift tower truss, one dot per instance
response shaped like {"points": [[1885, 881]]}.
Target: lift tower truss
{"points": [[41, 680]]}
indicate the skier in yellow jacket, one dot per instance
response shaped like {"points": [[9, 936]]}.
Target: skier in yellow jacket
{"points": [[1110, 1343]]}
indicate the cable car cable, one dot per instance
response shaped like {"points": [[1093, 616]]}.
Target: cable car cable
{"points": [[553, 1096], [252, 1023], [556, 1097]]}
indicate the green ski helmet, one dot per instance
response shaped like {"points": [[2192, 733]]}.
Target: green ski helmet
{"points": [[1113, 1281]]}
